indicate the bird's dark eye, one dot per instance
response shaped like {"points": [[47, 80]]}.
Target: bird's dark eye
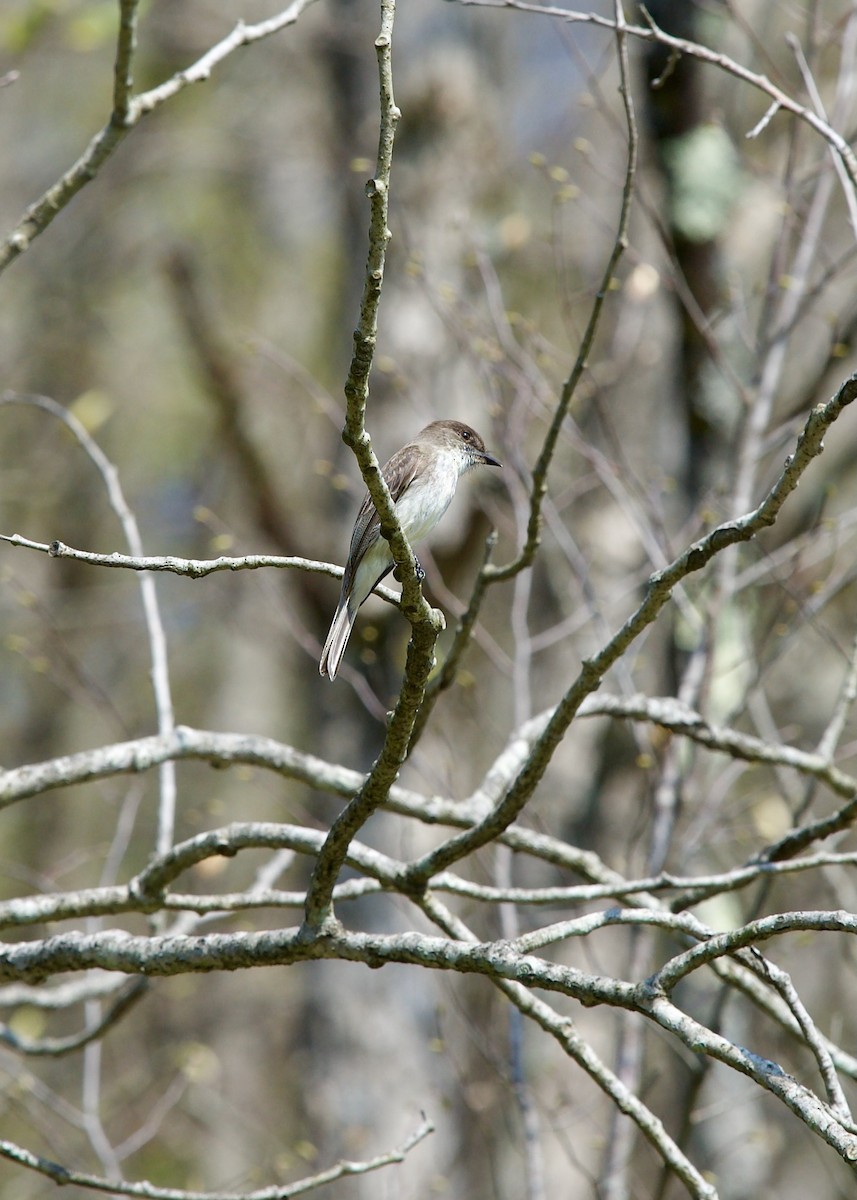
{"points": [[466, 434]]}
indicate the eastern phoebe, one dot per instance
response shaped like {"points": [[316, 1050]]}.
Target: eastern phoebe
{"points": [[422, 478]]}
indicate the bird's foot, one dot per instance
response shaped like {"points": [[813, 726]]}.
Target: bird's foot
{"points": [[397, 574]]}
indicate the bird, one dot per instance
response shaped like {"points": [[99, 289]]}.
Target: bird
{"points": [[422, 478]]}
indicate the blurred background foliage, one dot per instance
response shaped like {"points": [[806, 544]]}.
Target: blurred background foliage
{"points": [[193, 307]]}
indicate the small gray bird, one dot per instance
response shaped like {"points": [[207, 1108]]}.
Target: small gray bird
{"points": [[422, 478]]}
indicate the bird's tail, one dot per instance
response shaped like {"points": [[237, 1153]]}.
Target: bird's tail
{"points": [[337, 640]]}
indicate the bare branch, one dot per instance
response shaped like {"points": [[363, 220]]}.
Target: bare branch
{"points": [[148, 1191], [128, 112], [660, 587], [151, 610], [194, 568], [672, 714], [426, 622], [127, 997], [653, 33], [539, 484], [563, 1030]]}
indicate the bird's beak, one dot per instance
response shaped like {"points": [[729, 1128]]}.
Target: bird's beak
{"points": [[489, 460]]}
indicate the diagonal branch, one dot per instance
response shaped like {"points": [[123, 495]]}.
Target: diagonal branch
{"points": [[538, 489], [780, 100], [127, 113], [660, 587], [563, 1030]]}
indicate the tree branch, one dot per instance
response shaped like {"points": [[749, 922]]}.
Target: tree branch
{"points": [[148, 1191], [659, 590], [127, 113]]}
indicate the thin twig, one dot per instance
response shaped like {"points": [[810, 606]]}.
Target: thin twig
{"points": [[59, 1046], [148, 1191], [842, 103], [128, 112], [151, 611], [653, 33], [539, 484], [660, 587]]}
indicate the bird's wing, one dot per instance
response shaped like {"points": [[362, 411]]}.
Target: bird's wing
{"points": [[368, 523]]}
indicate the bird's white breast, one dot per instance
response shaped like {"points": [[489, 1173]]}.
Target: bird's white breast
{"points": [[429, 496]]}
